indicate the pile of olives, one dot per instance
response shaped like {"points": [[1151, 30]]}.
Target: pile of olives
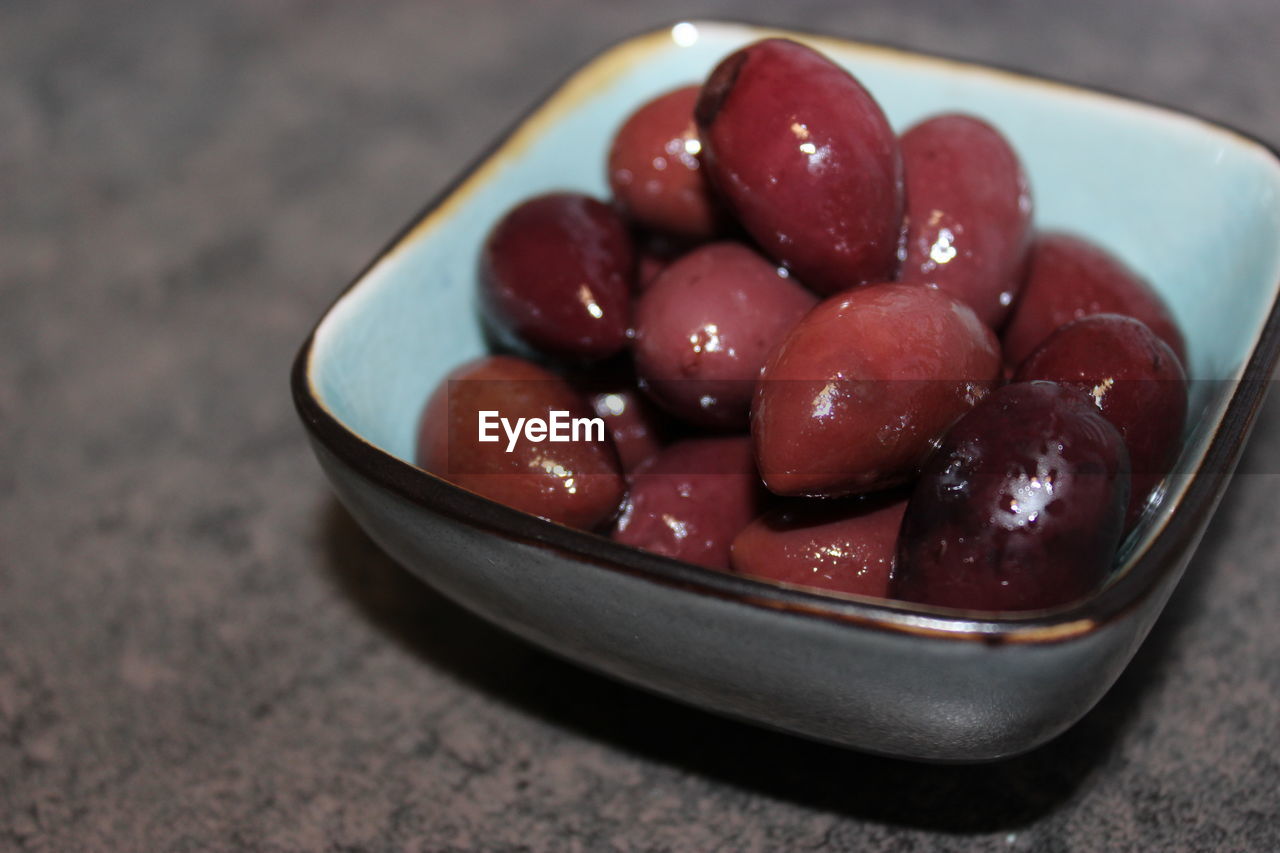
{"points": [[824, 353]]}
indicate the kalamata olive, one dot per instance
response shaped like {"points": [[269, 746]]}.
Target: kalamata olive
{"points": [[690, 500], [705, 328], [556, 276], [655, 172], [634, 426], [856, 395], [1070, 278], [842, 546], [1136, 382], [968, 213], [804, 157], [1021, 508], [574, 482]]}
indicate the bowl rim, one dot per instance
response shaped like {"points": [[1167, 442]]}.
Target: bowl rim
{"points": [[1180, 529]]}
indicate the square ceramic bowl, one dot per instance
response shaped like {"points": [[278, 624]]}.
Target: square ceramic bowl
{"points": [[1192, 205]]}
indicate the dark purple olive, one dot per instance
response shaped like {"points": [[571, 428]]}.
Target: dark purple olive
{"points": [[968, 213], [1021, 508], [804, 157], [705, 328], [1069, 278], [690, 500], [556, 277], [634, 424], [575, 482], [1135, 380], [841, 546]]}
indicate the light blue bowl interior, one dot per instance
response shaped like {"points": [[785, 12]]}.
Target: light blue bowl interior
{"points": [[1194, 208]]}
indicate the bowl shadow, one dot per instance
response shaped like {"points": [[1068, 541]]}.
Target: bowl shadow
{"points": [[999, 796]]}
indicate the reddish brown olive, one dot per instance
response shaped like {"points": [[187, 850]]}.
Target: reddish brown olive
{"points": [[856, 395], [635, 428], [575, 483], [690, 500], [840, 546], [705, 328], [655, 171], [1136, 382], [968, 213], [1070, 278], [556, 277], [805, 158], [1021, 508]]}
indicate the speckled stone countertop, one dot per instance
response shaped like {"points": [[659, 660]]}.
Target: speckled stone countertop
{"points": [[200, 650]]}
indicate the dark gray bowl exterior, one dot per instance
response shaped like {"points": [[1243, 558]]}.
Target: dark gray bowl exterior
{"points": [[867, 674], [900, 693]]}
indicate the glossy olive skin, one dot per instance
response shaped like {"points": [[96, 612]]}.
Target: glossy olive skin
{"points": [[1136, 382], [1021, 508], [706, 326], [574, 483], [968, 213], [840, 546], [556, 277], [1070, 278], [856, 394], [690, 500], [634, 427], [655, 171], [805, 159]]}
